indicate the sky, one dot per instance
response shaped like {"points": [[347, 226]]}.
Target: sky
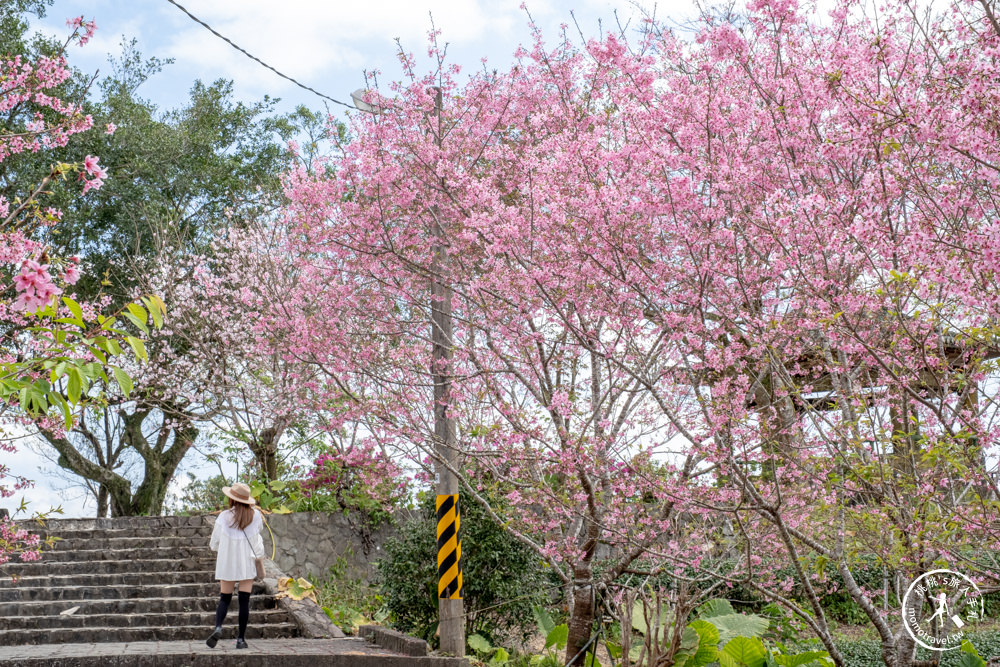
{"points": [[325, 45]]}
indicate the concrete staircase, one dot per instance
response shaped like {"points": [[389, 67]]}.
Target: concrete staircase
{"points": [[137, 579]]}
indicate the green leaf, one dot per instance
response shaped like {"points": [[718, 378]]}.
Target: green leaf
{"points": [[970, 657], [558, 637], [690, 640], [716, 607], [137, 311], [57, 399], [739, 625], [137, 322], [58, 371], [501, 657], [99, 354], [969, 660], [74, 308], [748, 651], [708, 641], [75, 384], [297, 589], [800, 659], [543, 619], [38, 400], [726, 660], [123, 380], [708, 634], [153, 304], [137, 346], [479, 644]]}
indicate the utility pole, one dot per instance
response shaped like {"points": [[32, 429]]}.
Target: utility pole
{"points": [[451, 608]]}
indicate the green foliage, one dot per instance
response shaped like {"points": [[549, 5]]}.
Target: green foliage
{"points": [[175, 177], [485, 652], [721, 636], [59, 378], [556, 637], [201, 496], [349, 601], [271, 495], [720, 613], [868, 652], [503, 580], [748, 651]]}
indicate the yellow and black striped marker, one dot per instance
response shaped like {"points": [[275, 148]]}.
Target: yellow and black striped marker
{"points": [[449, 548]]}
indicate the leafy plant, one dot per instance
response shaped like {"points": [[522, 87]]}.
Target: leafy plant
{"points": [[296, 589], [502, 578], [349, 602], [493, 656], [556, 637], [720, 636]]}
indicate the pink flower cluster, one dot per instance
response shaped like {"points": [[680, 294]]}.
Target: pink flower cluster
{"points": [[78, 23], [34, 287], [359, 472], [14, 540], [91, 168]]}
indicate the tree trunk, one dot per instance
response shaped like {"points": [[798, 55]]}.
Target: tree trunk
{"points": [[161, 464], [581, 615], [265, 448], [102, 501], [115, 491]]}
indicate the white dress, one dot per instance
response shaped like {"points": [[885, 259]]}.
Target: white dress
{"points": [[235, 556]]}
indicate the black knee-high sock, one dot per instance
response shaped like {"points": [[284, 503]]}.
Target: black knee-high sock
{"points": [[244, 612], [220, 611]]}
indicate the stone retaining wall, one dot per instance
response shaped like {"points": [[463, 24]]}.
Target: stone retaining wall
{"points": [[304, 543], [309, 543]]}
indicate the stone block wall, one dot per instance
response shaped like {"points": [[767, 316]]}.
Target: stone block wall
{"points": [[309, 543]]}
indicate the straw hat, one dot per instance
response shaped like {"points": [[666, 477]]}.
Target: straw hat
{"points": [[240, 493]]}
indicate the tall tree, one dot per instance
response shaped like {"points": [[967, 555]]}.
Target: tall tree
{"points": [[176, 179], [776, 241], [50, 348]]}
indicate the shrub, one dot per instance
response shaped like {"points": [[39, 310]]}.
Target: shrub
{"points": [[359, 478], [502, 578], [348, 601], [868, 652]]}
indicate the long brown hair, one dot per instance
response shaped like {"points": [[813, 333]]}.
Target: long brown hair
{"points": [[242, 514]]}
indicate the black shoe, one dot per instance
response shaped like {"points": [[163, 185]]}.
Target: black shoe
{"points": [[241, 643], [213, 638]]}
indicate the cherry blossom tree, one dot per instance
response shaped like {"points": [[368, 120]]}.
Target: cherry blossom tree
{"points": [[738, 285]]}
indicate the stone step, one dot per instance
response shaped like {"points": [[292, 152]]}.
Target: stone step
{"points": [[138, 634], [297, 652], [81, 537], [132, 522], [61, 553], [125, 541], [133, 606], [82, 619], [113, 592], [166, 577], [48, 567]]}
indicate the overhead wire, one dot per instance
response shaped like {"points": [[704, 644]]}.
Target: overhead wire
{"points": [[255, 58]]}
